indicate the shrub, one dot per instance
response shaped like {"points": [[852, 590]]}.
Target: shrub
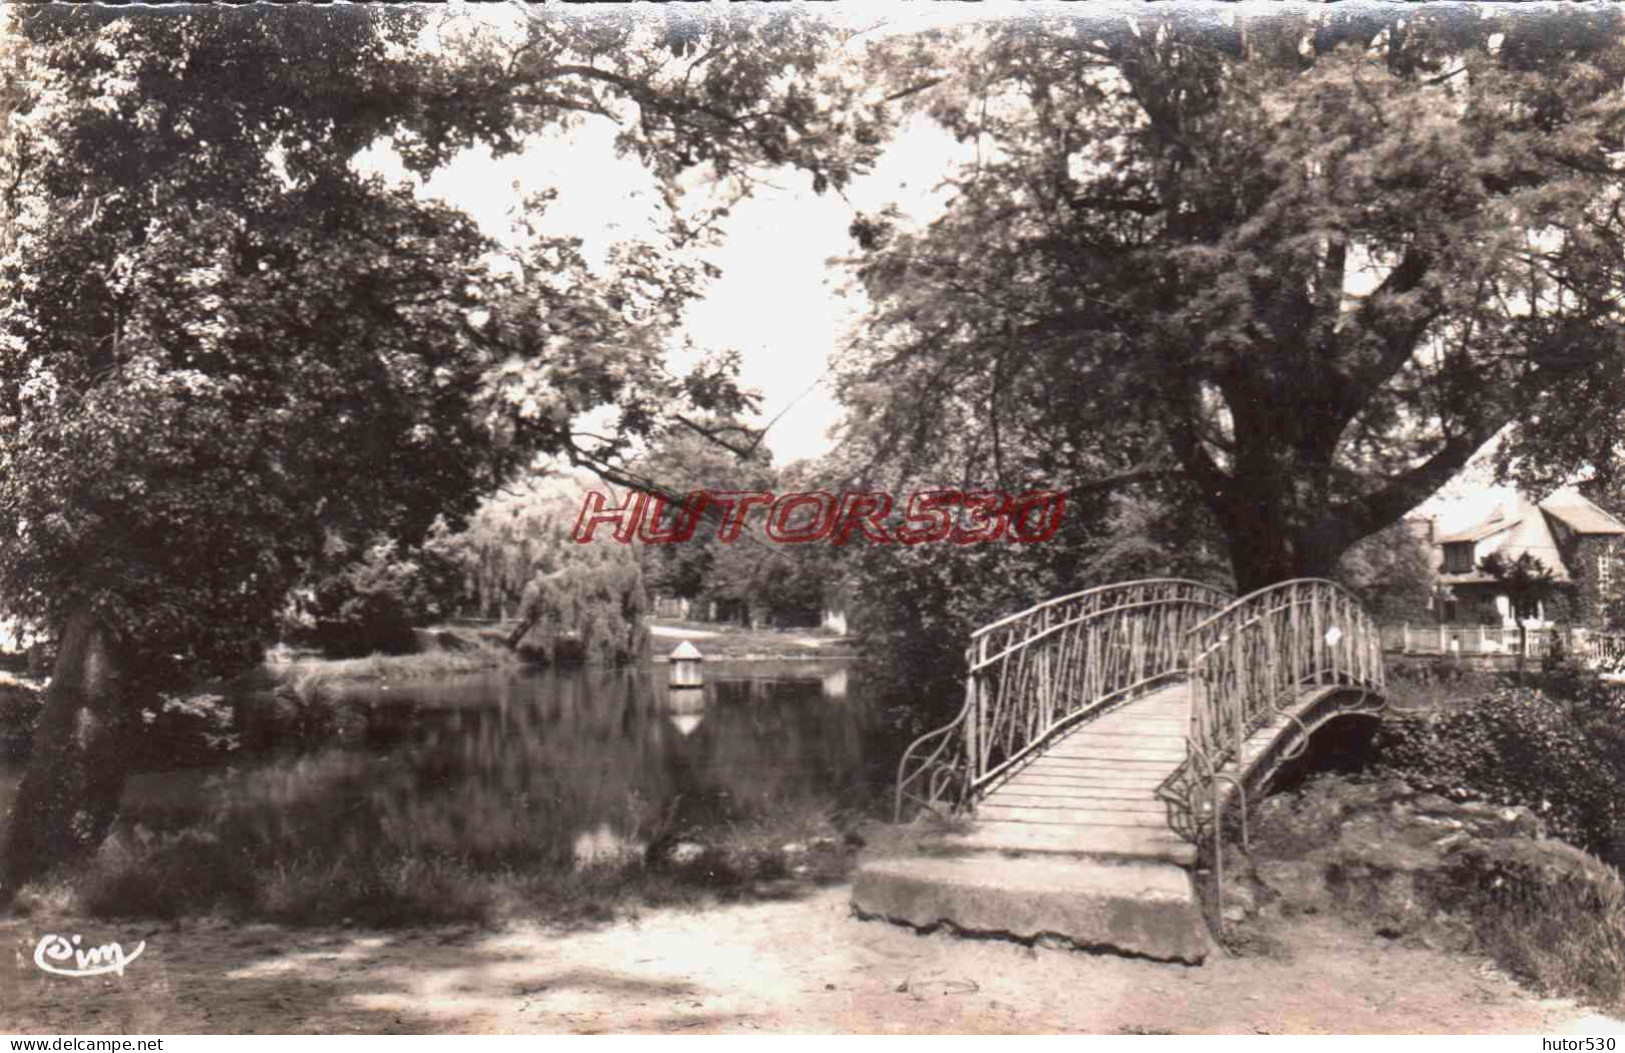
{"points": [[1555, 920], [373, 603], [140, 874], [20, 706], [1560, 758]]}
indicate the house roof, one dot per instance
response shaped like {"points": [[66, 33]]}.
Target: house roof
{"points": [[1526, 532], [1480, 531], [1581, 515]]}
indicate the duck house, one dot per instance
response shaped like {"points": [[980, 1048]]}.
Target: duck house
{"points": [[685, 666]]}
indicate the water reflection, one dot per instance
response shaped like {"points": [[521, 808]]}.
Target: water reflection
{"points": [[552, 769]]}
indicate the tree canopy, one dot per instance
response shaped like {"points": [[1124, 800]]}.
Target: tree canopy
{"points": [[1305, 265], [225, 341]]}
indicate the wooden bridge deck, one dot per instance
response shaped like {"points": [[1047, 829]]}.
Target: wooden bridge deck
{"points": [[1093, 791]]}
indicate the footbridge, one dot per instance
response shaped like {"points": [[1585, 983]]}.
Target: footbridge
{"points": [[1104, 736]]}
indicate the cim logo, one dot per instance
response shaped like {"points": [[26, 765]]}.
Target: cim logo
{"points": [[108, 958]]}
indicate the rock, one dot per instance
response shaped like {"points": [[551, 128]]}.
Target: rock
{"points": [[1241, 894], [1301, 884], [1451, 842], [1235, 914], [1432, 802], [1490, 820], [685, 853]]}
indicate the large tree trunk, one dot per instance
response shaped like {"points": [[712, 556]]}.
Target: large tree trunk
{"points": [[1271, 541], [70, 792]]}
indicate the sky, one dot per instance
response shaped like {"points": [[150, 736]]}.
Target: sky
{"points": [[783, 301], [780, 299]]}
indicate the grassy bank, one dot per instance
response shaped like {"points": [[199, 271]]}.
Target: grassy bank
{"points": [[252, 864], [1561, 929], [721, 640], [1546, 902], [309, 677]]}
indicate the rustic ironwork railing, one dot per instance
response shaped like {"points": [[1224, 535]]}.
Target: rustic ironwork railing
{"points": [[1044, 669], [1250, 666], [1252, 661]]}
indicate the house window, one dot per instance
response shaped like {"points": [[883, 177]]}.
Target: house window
{"points": [[1605, 568], [1458, 558]]}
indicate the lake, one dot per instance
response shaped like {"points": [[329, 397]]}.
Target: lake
{"points": [[547, 767]]}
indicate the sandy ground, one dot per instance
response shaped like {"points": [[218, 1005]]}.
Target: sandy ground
{"points": [[803, 964]]}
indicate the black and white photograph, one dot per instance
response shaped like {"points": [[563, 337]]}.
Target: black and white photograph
{"points": [[793, 518]]}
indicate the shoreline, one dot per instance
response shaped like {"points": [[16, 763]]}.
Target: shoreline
{"points": [[800, 657]]}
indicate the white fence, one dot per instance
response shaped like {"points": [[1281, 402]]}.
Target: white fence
{"points": [[1594, 648]]}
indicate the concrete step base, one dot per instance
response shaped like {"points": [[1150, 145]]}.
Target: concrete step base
{"points": [[1101, 843], [1137, 908]]}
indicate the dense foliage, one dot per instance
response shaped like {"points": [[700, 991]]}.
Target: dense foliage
{"points": [[1392, 573], [1306, 264], [1563, 758], [518, 560], [374, 601]]}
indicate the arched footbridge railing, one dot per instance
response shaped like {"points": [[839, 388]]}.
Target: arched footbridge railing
{"points": [[1287, 658], [1043, 670]]}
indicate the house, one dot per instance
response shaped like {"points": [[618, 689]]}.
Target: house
{"points": [[1579, 542]]}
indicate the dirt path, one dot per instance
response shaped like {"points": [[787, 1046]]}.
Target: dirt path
{"points": [[797, 965]]}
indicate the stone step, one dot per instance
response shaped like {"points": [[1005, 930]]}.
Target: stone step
{"points": [[1104, 842], [1144, 909], [1071, 815]]}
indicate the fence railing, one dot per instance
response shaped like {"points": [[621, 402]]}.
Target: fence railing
{"points": [[1044, 669], [1594, 648], [1250, 666], [1254, 659]]}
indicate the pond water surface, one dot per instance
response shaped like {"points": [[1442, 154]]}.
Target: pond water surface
{"points": [[543, 766]]}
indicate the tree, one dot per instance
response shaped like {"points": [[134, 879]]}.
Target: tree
{"points": [[224, 343], [1392, 573], [1527, 583], [683, 460], [750, 572], [567, 599], [1304, 265], [378, 596]]}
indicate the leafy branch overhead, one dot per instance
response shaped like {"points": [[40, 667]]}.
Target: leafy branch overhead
{"points": [[230, 342], [1318, 260]]}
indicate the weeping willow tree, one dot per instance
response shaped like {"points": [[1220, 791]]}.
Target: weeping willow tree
{"points": [[567, 600]]}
